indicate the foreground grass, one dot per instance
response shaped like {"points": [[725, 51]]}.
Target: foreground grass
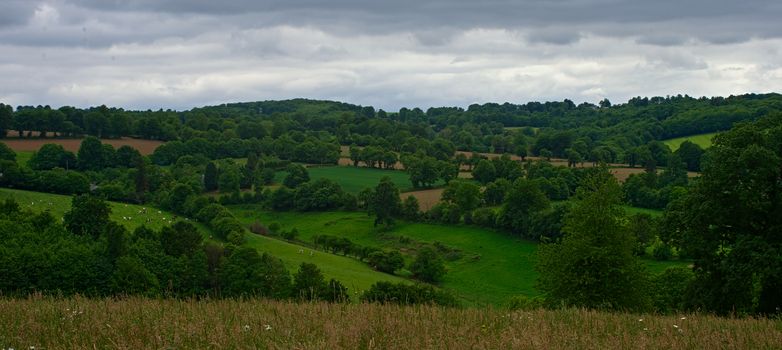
{"points": [[703, 140], [139, 323]]}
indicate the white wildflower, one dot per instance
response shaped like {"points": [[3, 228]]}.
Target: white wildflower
{"points": [[267, 327], [675, 326], [640, 320], [246, 327], [684, 318]]}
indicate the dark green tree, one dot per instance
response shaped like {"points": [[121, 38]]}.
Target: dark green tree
{"points": [[91, 155], [730, 222], [484, 172], [522, 200], [308, 283], [428, 266], [210, 177], [384, 202], [88, 215], [297, 175], [593, 265]]}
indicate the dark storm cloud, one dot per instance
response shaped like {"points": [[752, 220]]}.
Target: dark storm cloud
{"points": [[728, 21], [185, 53]]}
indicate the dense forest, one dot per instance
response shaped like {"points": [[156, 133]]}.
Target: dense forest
{"points": [[725, 222]]}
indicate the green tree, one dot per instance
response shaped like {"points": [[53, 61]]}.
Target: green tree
{"points": [[132, 277], [6, 153], [181, 238], [593, 265], [228, 181], [91, 155], [465, 195], [308, 283], [210, 177], [522, 200], [428, 266], [690, 153], [384, 202], [484, 172], [297, 175], [411, 210], [88, 216], [730, 222]]}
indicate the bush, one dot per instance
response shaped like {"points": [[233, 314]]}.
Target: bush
{"points": [[407, 294], [524, 303]]}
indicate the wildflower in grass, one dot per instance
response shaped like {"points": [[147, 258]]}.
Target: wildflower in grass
{"points": [[675, 326], [640, 320], [247, 328], [267, 327], [684, 318]]}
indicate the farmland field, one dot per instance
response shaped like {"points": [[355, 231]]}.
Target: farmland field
{"points": [[353, 179], [146, 147], [43, 322], [489, 268], [58, 205], [703, 140]]}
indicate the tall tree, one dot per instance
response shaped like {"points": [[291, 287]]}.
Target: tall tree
{"points": [[91, 155], [210, 177], [731, 221], [384, 202], [593, 265], [89, 215]]}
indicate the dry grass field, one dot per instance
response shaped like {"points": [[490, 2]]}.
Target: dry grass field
{"points": [[139, 323], [146, 147], [426, 198]]}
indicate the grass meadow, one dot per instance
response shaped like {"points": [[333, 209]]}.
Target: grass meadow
{"points": [[353, 179], [485, 267], [703, 140], [58, 205], [137, 323]]}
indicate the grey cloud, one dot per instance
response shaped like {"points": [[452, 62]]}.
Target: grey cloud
{"points": [[16, 12]]}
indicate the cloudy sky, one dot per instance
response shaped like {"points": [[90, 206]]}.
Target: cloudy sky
{"points": [[141, 54]]}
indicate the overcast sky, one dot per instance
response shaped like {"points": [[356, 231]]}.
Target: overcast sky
{"points": [[180, 54]]}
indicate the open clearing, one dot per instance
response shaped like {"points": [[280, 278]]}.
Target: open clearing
{"points": [[353, 179], [703, 140], [486, 268], [58, 205], [146, 147], [426, 198]]}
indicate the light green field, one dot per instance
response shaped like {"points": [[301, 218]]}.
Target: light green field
{"points": [[355, 275], [59, 204], [353, 179], [703, 140], [22, 157], [493, 266]]}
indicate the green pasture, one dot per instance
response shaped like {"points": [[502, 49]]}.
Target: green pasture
{"points": [[703, 140], [22, 157], [353, 179], [355, 275], [489, 268], [129, 215]]}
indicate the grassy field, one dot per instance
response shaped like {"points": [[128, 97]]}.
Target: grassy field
{"points": [[354, 179], [59, 204], [703, 140], [355, 275], [490, 268], [22, 157], [139, 323]]}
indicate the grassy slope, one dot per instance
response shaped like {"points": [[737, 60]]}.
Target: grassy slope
{"points": [[354, 179], [703, 140], [139, 323], [355, 275], [493, 266], [59, 204]]}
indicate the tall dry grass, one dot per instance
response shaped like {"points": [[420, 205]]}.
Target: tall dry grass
{"points": [[139, 323]]}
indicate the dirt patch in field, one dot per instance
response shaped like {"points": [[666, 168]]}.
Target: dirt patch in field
{"points": [[426, 198], [146, 147]]}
